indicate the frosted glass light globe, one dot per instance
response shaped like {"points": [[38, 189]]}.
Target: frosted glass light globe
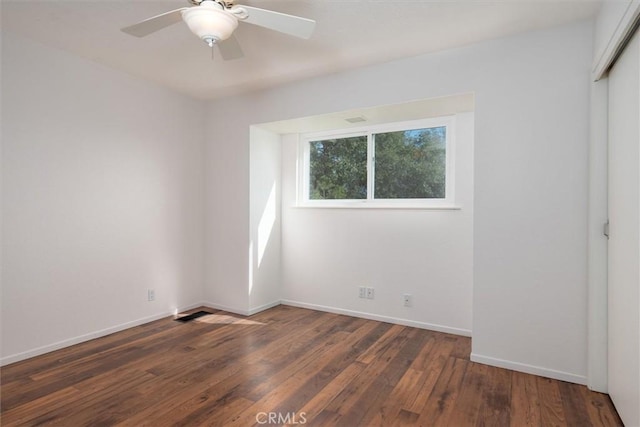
{"points": [[210, 21]]}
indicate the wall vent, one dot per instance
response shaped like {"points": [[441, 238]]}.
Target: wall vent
{"points": [[357, 119]]}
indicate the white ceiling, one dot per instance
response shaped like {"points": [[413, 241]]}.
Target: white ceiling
{"points": [[349, 33]]}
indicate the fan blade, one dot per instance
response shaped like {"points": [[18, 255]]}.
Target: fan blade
{"points": [[154, 24], [230, 48], [288, 24]]}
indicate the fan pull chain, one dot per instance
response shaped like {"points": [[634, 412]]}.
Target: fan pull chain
{"points": [[211, 42]]}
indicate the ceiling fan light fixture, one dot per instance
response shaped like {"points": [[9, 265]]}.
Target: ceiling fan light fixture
{"points": [[215, 21], [209, 21]]}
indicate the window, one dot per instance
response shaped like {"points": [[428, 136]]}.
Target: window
{"points": [[338, 168], [407, 163]]}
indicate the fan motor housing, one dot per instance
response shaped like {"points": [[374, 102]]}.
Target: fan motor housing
{"points": [[225, 3]]}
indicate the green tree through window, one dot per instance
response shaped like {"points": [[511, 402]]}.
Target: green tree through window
{"points": [[338, 168], [410, 164], [407, 161]]}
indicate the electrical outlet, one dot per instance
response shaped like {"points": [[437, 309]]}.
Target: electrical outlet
{"points": [[151, 295], [407, 300], [362, 292], [370, 293]]}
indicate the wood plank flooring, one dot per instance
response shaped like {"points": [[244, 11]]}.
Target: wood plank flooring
{"points": [[285, 366]]}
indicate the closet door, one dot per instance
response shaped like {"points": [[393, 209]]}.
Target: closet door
{"points": [[624, 242]]}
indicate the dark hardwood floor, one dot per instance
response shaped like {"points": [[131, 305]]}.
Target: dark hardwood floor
{"points": [[289, 366]]}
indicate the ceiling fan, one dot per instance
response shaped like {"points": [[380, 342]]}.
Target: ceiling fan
{"points": [[215, 20]]}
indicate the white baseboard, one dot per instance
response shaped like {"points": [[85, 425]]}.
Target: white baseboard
{"points": [[87, 337], [515, 366], [233, 310], [240, 311], [107, 331], [530, 369], [387, 319], [263, 307]]}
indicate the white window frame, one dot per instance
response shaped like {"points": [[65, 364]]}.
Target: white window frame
{"points": [[448, 202]]}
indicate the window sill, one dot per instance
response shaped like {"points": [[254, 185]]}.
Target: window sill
{"points": [[364, 205]]}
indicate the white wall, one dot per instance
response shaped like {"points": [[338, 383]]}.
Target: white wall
{"points": [[530, 293], [227, 210], [103, 198], [265, 276], [530, 175], [328, 253]]}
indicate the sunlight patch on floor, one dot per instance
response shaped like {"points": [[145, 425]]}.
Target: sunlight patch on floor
{"points": [[219, 319]]}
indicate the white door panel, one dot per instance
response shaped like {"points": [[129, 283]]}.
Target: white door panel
{"points": [[624, 243]]}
